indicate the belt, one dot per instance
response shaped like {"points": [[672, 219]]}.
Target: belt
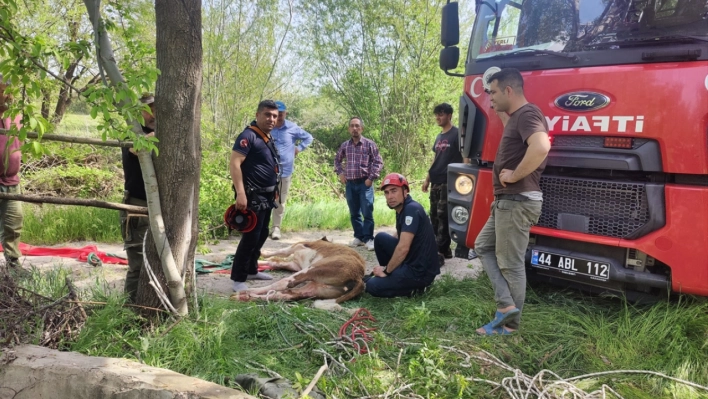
{"points": [[259, 190], [360, 180], [511, 197]]}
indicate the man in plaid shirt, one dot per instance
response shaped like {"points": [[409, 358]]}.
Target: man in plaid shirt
{"points": [[362, 165]]}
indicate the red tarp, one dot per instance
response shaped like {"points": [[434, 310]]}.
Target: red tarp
{"points": [[66, 252]]}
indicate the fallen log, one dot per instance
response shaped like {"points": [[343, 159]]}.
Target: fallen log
{"points": [[40, 199], [74, 139]]}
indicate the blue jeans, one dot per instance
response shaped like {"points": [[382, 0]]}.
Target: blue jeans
{"points": [[361, 201], [399, 283]]}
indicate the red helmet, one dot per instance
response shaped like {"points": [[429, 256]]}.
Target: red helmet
{"points": [[394, 179], [243, 221]]}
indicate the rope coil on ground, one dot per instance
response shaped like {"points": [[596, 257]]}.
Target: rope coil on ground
{"points": [[538, 386], [357, 331]]}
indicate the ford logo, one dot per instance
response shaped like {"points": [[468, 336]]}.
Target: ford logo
{"points": [[582, 101]]}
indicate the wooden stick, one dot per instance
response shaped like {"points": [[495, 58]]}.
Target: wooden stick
{"points": [[40, 199], [74, 139], [156, 284], [173, 326], [314, 381]]}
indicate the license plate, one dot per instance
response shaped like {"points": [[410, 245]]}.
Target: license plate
{"points": [[596, 270]]}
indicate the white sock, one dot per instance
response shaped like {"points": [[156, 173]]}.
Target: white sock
{"points": [[239, 286], [259, 276]]}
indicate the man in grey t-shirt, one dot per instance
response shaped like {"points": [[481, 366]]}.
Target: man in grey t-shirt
{"points": [[520, 159]]}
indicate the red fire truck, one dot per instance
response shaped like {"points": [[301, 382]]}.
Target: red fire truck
{"points": [[624, 87]]}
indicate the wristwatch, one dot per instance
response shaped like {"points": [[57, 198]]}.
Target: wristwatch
{"points": [[385, 270]]}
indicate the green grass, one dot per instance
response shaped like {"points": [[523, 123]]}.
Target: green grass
{"points": [[54, 224], [563, 331], [566, 332], [86, 172], [78, 125], [334, 215]]}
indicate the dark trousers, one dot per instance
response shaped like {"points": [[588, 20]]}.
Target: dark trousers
{"points": [[133, 228], [438, 216], [249, 248], [401, 281]]}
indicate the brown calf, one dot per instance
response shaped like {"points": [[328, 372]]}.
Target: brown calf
{"points": [[324, 270]]}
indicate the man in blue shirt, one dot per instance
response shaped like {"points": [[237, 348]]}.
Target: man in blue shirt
{"points": [[290, 140], [409, 261]]}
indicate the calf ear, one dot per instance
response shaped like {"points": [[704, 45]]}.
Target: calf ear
{"points": [[324, 238]]}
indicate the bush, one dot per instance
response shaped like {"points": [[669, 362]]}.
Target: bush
{"points": [[71, 180], [215, 195]]}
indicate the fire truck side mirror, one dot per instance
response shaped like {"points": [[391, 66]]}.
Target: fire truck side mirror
{"points": [[449, 58], [450, 26]]}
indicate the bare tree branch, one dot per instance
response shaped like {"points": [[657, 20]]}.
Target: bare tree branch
{"points": [[40, 199]]}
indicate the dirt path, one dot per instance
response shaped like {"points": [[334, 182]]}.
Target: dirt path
{"points": [[85, 275]]}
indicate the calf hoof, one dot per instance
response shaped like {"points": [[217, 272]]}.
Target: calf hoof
{"points": [[240, 296]]}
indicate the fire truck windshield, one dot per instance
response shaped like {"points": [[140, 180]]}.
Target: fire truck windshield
{"points": [[533, 27]]}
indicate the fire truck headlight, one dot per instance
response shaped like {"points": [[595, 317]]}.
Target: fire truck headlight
{"points": [[460, 215], [464, 184]]}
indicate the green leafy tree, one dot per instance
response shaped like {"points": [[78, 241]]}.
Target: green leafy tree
{"points": [[30, 60], [241, 50], [379, 60]]}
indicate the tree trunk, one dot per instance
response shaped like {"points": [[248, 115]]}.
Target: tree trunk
{"points": [[178, 116], [64, 99], [46, 98], [172, 275]]}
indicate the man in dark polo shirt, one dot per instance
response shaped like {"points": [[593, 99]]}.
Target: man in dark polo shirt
{"points": [[254, 171], [520, 159], [409, 261]]}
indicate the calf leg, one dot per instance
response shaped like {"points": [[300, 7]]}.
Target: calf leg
{"points": [[280, 265], [329, 273], [283, 253], [279, 285], [307, 291]]}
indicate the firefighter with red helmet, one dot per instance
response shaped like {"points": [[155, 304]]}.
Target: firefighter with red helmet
{"points": [[408, 262]]}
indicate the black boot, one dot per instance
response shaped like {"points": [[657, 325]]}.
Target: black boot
{"points": [[447, 253]]}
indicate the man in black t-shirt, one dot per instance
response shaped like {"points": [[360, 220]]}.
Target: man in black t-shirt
{"points": [[254, 172], [133, 226], [520, 159], [447, 151], [409, 261]]}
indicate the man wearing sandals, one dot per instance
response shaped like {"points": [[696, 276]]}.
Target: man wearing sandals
{"points": [[520, 159]]}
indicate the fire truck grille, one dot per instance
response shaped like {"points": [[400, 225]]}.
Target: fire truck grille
{"points": [[604, 208], [589, 141]]}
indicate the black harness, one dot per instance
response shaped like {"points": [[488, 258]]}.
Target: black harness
{"points": [[255, 201]]}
